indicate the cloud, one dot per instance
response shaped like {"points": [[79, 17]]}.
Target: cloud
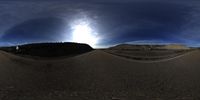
{"points": [[36, 30], [142, 20], [116, 21]]}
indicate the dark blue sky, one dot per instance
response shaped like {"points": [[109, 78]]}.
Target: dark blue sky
{"points": [[113, 21]]}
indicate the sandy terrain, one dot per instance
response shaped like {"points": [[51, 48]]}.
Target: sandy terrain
{"points": [[98, 75], [148, 55]]}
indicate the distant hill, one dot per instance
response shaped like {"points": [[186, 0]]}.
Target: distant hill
{"points": [[176, 46], [49, 49], [149, 47]]}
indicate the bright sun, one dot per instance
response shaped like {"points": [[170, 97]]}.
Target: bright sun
{"points": [[83, 33]]}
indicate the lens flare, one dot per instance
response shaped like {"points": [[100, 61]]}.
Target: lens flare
{"points": [[83, 33]]}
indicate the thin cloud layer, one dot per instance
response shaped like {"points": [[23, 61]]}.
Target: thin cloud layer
{"points": [[114, 21]]}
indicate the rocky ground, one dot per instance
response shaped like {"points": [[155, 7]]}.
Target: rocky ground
{"points": [[98, 75]]}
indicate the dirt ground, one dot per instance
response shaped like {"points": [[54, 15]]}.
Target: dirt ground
{"points": [[98, 75]]}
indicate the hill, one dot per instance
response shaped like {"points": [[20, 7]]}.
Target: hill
{"points": [[176, 47], [150, 47], [49, 49], [148, 52]]}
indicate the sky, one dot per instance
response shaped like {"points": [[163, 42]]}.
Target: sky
{"points": [[100, 23]]}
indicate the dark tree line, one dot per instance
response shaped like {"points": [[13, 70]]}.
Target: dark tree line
{"points": [[49, 49]]}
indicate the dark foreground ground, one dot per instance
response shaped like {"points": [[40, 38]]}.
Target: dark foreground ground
{"points": [[98, 75]]}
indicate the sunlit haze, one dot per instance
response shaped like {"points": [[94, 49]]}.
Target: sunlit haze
{"points": [[83, 33], [102, 23]]}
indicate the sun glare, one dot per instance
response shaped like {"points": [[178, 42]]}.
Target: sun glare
{"points": [[83, 33]]}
